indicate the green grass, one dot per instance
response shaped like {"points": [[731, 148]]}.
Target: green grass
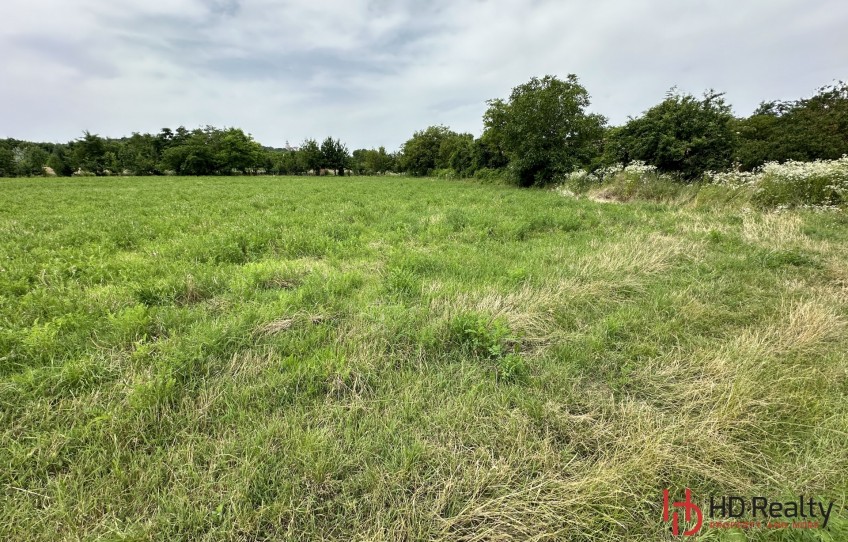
{"points": [[401, 359]]}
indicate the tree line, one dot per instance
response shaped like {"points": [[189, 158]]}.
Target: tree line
{"points": [[544, 130], [203, 151], [540, 132]]}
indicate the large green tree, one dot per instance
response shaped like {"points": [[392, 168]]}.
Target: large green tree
{"points": [[310, 156], [236, 151], [378, 160], [808, 129], [89, 153], [7, 160], [58, 161], [682, 134], [334, 155], [544, 129], [371, 161], [139, 155], [420, 154], [30, 160], [489, 153], [210, 151], [456, 152]]}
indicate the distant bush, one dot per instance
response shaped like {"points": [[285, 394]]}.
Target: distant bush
{"points": [[420, 155], [580, 181], [636, 180], [445, 173], [490, 176], [484, 175]]}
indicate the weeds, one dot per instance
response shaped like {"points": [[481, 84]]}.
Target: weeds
{"points": [[821, 185]]}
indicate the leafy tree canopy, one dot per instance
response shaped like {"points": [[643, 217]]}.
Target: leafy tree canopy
{"points": [[544, 129], [420, 154], [809, 129], [681, 134]]}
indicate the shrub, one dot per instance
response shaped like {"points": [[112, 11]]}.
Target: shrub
{"points": [[544, 129], [823, 182], [490, 176], [813, 128], [803, 183], [682, 134], [637, 180], [446, 173], [579, 182]]}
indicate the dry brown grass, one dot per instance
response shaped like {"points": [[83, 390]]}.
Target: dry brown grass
{"points": [[775, 229]]}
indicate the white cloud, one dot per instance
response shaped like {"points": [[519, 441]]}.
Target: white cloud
{"points": [[371, 72]]}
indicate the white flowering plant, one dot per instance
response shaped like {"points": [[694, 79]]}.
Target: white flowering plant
{"points": [[619, 181], [818, 183], [822, 184]]}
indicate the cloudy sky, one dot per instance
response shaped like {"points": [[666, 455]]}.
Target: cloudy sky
{"points": [[373, 71]]}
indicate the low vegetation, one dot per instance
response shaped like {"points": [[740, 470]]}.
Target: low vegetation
{"points": [[821, 185], [272, 358]]}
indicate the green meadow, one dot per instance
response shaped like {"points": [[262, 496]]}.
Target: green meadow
{"points": [[388, 358]]}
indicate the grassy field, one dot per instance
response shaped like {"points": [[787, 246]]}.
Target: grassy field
{"points": [[408, 359]]}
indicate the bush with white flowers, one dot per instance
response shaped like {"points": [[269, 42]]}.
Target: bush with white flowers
{"points": [[823, 182], [810, 185], [635, 171]]}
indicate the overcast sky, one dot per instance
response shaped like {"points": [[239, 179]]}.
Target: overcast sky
{"points": [[373, 71]]}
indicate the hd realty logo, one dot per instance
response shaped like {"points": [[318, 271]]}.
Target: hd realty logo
{"points": [[734, 512], [691, 512]]}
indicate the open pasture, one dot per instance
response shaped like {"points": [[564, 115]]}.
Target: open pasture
{"points": [[267, 358]]}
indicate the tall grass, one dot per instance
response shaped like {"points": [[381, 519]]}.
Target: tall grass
{"points": [[819, 184], [408, 359]]}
